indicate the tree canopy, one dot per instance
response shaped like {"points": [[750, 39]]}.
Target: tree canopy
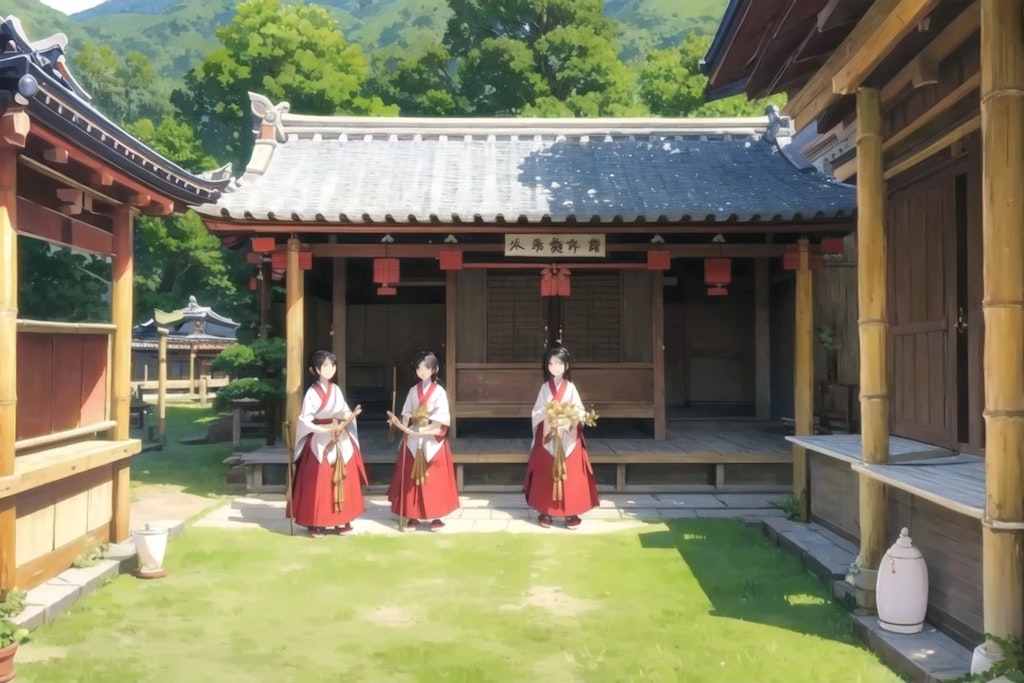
{"points": [[294, 53]]}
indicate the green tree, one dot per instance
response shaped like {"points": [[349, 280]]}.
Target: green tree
{"points": [[418, 83], [125, 89], [538, 57], [293, 53], [671, 84]]}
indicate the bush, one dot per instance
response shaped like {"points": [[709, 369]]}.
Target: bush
{"points": [[11, 633], [237, 360], [249, 387], [12, 606]]}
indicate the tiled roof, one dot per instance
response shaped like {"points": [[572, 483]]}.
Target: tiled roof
{"points": [[399, 170]]}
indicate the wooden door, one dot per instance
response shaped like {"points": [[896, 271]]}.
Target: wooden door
{"points": [[718, 335], [922, 310]]}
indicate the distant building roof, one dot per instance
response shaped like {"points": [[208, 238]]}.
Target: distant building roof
{"points": [[192, 325], [37, 76], [344, 170]]}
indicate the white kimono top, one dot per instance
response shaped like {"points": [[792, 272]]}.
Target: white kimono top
{"points": [[437, 407], [330, 406], [571, 396]]}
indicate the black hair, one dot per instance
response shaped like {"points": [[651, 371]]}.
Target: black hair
{"points": [[562, 354], [317, 360], [430, 358]]}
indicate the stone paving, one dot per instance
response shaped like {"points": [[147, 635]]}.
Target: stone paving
{"points": [[508, 512]]}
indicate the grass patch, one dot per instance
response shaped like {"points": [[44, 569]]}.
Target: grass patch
{"points": [[198, 469], [693, 600]]}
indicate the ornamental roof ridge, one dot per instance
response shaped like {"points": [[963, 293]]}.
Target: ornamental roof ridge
{"points": [[305, 126]]}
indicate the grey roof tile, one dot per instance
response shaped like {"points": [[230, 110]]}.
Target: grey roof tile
{"points": [[361, 170]]}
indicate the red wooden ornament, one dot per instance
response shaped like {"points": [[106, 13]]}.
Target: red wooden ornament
{"points": [[832, 245], [279, 261], [717, 291], [385, 271], [659, 260], [263, 244], [451, 259], [306, 260], [254, 284], [791, 258], [254, 258], [386, 291], [717, 272], [547, 285], [562, 287]]}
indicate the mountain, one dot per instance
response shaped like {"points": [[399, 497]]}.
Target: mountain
{"points": [[176, 34]]}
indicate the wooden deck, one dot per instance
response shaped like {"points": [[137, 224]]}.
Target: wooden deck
{"points": [[696, 455]]}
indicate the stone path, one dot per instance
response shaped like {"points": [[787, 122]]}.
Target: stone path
{"points": [[508, 512]]}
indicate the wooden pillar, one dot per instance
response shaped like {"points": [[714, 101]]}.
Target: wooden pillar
{"points": [[339, 322], [658, 350], [122, 305], [873, 326], [191, 371], [803, 375], [265, 285], [295, 329], [161, 385], [8, 355], [450, 332], [762, 340], [1002, 182]]}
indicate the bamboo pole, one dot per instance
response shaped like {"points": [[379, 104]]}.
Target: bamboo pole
{"points": [[873, 327], [161, 390], [295, 322], [121, 381], [8, 356], [1002, 181], [803, 375]]}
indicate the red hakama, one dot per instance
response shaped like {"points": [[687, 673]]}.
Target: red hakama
{"points": [[313, 490], [579, 488], [436, 497]]}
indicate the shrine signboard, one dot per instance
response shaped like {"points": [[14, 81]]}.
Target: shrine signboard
{"points": [[555, 245]]}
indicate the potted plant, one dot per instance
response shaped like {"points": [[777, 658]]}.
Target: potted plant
{"points": [[11, 636]]}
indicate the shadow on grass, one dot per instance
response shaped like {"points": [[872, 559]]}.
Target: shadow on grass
{"points": [[747, 577], [198, 469]]}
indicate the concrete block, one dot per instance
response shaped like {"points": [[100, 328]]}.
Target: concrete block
{"points": [[923, 657]]}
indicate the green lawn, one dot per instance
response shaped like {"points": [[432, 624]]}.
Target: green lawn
{"points": [[694, 600]]}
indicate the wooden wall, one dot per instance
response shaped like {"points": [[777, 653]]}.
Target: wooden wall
{"points": [[62, 382], [57, 521], [949, 542]]}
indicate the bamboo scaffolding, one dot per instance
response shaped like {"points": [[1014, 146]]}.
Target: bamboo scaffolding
{"points": [[873, 326], [1002, 119], [803, 375]]}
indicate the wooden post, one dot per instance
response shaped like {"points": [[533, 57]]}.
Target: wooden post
{"points": [[873, 326], [658, 351], [295, 324], [8, 355], [203, 388], [803, 375], [161, 385], [121, 381], [265, 283], [191, 371], [450, 332], [762, 340], [339, 325], [1002, 177]]}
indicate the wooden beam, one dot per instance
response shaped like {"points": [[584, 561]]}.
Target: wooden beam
{"points": [[817, 94], [8, 308], [847, 169], [873, 329], [909, 161], [102, 179], [432, 250], [658, 351], [803, 375], [895, 25], [57, 155], [161, 386], [295, 339], [54, 174], [122, 306], [450, 335], [1002, 115], [339, 317], [766, 227], [948, 40], [14, 128], [762, 340]]}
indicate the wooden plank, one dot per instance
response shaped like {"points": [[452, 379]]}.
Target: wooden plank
{"points": [[895, 25], [339, 323], [34, 572], [658, 351], [451, 341], [471, 311], [762, 337], [121, 502], [937, 145], [849, 448], [38, 469], [957, 487]]}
